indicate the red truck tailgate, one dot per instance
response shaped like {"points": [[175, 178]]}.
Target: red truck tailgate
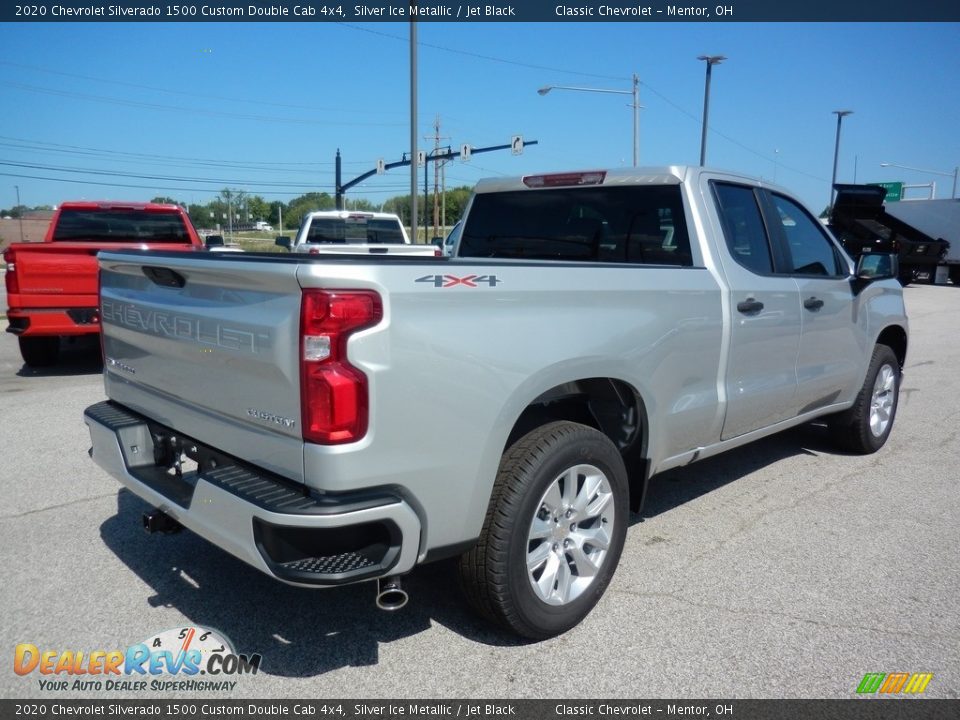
{"points": [[60, 274]]}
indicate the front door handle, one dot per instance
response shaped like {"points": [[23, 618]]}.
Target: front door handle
{"points": [[813, 303], [749, 306]]}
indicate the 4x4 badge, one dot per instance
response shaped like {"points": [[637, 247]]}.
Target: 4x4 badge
{"points": [[470, 281]]}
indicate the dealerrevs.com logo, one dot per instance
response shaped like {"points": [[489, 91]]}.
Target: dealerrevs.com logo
{"points": [[186, 659]]}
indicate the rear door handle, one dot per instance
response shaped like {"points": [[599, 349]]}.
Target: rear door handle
{"points": [[813, 303], [749, 306]]}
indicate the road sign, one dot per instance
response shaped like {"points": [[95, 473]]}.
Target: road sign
{"points": [[421, 158], [381, 167], [516, 144], [894, 190], [465, 151]]}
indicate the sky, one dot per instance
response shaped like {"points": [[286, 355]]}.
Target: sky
{"points": [[263, 107]]}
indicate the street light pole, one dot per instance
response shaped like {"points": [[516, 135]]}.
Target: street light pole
{"points": [[954, 174], [711, 60], [413, 125], [836, 153], [19, 211], [635, 104]]}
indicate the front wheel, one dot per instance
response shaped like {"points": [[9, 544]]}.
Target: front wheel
{"points": [[553, 533], [865, 427]]}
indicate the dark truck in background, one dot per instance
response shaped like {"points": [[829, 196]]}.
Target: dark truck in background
{"points": [[860, 221], [52, 285]]}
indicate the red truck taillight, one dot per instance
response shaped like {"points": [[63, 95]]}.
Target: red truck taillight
{"points": [[13, 284], [333, 393]]}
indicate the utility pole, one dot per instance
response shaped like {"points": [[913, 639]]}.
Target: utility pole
{"points": [[443, 200], [436, 175], [19, 212], [413, 124]]}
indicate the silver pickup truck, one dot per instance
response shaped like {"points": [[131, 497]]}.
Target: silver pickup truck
{"points": [[330, 420]]}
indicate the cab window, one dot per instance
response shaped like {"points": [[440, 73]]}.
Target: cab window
{"points": [[810, 251]]}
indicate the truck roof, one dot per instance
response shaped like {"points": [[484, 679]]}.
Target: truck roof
{"points": [[116, 205], [666, 175], [353, 214]]}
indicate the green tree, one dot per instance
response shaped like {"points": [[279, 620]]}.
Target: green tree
{"points": [[258, 208], [164, 200], [299, 206]]}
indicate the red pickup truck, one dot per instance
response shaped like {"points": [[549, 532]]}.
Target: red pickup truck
{"points": [[52, 286]]}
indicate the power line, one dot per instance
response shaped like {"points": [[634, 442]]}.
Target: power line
{"points": [[646, 85], [77, 149], [114, 173], [188, 110], [302, 191], [205, 96], [480, 56]]}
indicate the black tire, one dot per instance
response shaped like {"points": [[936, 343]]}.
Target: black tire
{"points": [[494, 574], [852, 429], [39, 351], [954, 272]]}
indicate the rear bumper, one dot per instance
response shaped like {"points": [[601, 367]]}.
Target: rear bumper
{"points": [[54, 321], [278, 527]]}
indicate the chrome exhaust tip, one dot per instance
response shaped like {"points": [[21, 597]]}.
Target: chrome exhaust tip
{"points": [[390, 595]]}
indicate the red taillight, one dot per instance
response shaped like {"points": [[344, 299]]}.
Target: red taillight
{"points": [[333, 392], [13, 284]]}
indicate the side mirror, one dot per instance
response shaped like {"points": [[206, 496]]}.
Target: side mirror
{"points": [[213, 241], [877, 266], [282, 241], [438, 241]]}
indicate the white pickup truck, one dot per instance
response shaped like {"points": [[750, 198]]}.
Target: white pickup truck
{"points": [[350, 232], [332, 419]]}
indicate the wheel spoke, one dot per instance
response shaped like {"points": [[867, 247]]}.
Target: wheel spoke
{"points": [[564, 581], [553, 499], [586, 567], [598, 506], [591, 484], [540, 529], [538, 556], [548, 579], [570, 485], [595, 537]]}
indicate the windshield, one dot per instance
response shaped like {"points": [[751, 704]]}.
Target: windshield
{"points": [[359, 229], [103, 225]]}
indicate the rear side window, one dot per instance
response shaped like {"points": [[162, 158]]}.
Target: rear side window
{"points": [[643, 225], [358, 229], [743, 227], [120, 226]]}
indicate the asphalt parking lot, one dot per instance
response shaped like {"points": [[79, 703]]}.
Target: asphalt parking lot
{"points": [[783, 569]]}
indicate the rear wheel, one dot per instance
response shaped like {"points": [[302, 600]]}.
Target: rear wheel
{"points": [[954, 274], [865, 427], [39, 351], [553, 533]]}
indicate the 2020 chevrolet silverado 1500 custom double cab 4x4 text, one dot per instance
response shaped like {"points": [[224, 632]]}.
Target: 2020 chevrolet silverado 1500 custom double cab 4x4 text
{"points": [[335, 419], [52, 286]]}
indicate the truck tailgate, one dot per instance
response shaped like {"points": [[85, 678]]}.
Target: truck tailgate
{"points": [[209, 346], [60, 274]]}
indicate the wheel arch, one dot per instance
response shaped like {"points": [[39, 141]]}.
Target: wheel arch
{"points": [[610, 405], [895, 337]]}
